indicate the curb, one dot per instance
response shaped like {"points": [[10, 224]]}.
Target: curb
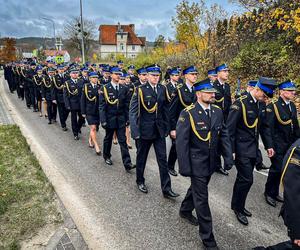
{"points": [[78, 211]]}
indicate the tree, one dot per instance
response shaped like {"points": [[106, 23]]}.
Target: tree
{"points": [[8, 52], [254, 4], [160, 42], [72, 31], [187, 23]]}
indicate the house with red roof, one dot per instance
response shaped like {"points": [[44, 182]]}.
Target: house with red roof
{"points": [[120, 39], [52, 54]]}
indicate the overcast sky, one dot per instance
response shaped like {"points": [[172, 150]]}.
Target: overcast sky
{"points": [[22, 18]]}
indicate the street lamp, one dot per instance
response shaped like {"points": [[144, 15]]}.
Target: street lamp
{"points": [[53, 23], [82, 34]]}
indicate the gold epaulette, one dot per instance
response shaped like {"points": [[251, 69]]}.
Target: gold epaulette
{"points": [[215, 106], [179, 85], [242, 97], [188, 108]]}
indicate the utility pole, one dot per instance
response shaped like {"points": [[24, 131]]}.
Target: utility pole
{"points": [[53, 23], [82, 34]]}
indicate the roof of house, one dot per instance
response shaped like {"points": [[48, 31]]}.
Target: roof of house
{"points": [[107, 35], [52, 52]]}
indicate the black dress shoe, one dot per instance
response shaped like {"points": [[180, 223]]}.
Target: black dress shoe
{"points": [[190, 218], [130, 167], [222, 171], [270, 201], [64, 128], [241, 218], [261, 167], [279, 199], [247, 213], [170, 194], [142, 187], [76, 137], [173, 172], [211, 248], [99, 153], [108, 161], [49, 122]]}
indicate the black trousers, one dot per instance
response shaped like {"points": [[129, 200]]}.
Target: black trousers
{"points": [[273, 181], [54, 110], [259, 159], [63, 114], [50, 110], [107, 143], [27, 96], [32, 97], [76, 120], [197, 198], [243, 182], [172, 155], [161, 157]]}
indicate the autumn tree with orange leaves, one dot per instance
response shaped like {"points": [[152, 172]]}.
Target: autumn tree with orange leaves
{"points": [[8, 52]]}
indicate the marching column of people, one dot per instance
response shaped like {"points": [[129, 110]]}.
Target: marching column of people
{"points": [[198, 116]]}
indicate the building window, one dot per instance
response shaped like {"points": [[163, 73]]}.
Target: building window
{"points": [[133, 56], [122, 46], [133, 47], [121, 36]]}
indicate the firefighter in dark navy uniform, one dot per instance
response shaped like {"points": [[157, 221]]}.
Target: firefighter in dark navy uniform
{"points": [[184, 96], [246, 121], [149, 125], [290, 210], [114, 108], [58, 96], [201, 133], [171, 86], [72, 96], [283, 122], [223, 100], [90, 109]]}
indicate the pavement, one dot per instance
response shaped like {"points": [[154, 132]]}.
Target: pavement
{"points": [[111, 213]]}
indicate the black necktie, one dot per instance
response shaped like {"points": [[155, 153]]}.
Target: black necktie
{"points": [[117, 90], [154, 88], [207, 113], [192, 88]]}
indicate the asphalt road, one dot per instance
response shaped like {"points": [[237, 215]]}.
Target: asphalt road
{"points": [[133, 220]]}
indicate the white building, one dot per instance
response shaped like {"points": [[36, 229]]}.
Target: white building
{"points": [[52, 54], [120, 39]]}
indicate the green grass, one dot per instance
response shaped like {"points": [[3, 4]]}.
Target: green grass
{"points": [[26, 196]]}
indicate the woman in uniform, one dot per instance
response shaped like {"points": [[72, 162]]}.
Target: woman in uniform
{"points": [[90, 109]]}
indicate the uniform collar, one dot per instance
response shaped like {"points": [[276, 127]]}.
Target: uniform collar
{"points": [[254, 99], [114, 84], [221, 82], [203, 107]]}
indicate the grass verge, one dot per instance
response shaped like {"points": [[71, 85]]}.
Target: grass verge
{"points": [[27, 200]]}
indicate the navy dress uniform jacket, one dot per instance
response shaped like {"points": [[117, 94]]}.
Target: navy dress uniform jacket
{"points": [[90, 100], [291, 184], [243, 115], [183, 97], [72, 94], [223, 97], [58, 88], [283, 124], [196, 156], [149, 125], [114, 106], [47, 88]]}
